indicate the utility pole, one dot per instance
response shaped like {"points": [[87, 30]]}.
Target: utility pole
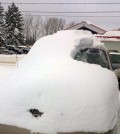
{"points": [[16, 60], [16, 32]]}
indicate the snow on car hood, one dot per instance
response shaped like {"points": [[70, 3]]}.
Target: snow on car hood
{"points": [[73, 96]]}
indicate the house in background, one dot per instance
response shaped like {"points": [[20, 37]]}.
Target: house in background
{"points": [[85, 25], [111, 39]]}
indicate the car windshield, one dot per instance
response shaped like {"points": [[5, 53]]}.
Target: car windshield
{"points": [[115, 58], [93, 56]]}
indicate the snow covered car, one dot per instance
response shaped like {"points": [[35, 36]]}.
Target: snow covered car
{"points": [[4, 50], [15, 49], [51, 92], [24, 49]]}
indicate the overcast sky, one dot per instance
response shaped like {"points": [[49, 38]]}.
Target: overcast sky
{"points": [[107, 23]]}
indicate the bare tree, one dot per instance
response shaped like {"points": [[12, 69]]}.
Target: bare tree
{"points": [[33, 29], [52, 25], [28, 28], [70, 24], [36, 27]]}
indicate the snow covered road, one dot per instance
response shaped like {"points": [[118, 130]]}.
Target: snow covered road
{"points": [[10, 59]]}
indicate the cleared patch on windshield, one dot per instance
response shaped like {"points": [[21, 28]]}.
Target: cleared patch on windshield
{"points": [[93, 56]]}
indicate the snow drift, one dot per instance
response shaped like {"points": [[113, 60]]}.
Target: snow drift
{"points": [[5, 71], [73, 96]]}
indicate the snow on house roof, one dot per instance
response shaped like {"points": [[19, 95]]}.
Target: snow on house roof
{"points": [[68, 93], [88, 25], [112, 33], [110, 36]]}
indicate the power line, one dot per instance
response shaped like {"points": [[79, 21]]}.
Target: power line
{"points": [[83, 3], [71, 12], [71, 16]]}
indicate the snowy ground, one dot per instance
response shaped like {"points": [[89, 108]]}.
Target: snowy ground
{"points": [[5, 70], [10, 59], [8, 63]]}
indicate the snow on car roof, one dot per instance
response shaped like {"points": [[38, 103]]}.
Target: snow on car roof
{"points": [[70, 95], [10, 45], [23, 46]]}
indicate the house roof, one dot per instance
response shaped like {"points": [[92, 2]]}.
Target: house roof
{"points": [[87, 26], [110, 36]]}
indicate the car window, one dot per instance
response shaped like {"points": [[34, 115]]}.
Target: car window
{"points": [[93, 56], [115, 58]]}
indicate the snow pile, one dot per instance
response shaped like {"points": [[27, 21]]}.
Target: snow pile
{"points": [[5, 71], [88, 22], [16, 31], [73, 96], [108, 39]]}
